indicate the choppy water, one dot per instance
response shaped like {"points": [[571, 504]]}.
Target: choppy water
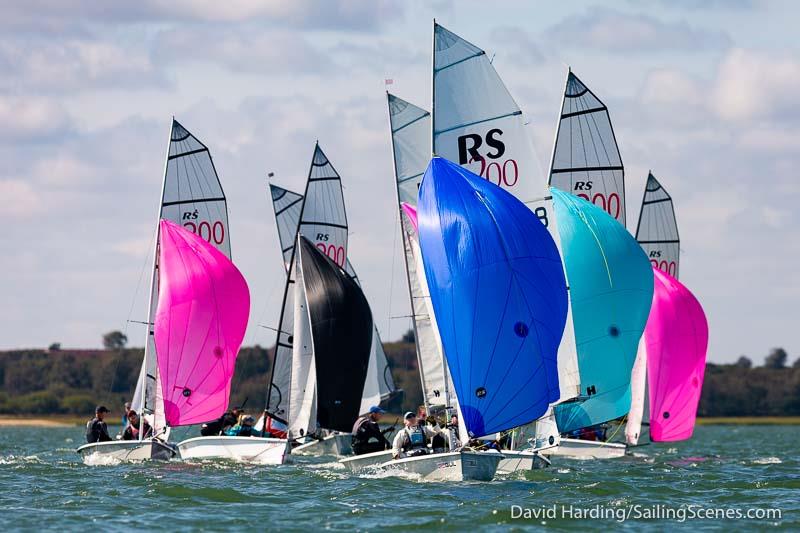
{"points": [[43, 484]]}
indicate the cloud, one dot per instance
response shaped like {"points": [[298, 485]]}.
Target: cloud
{"points": [[75, 16], [20, 199], [524, 51], [245, 49], [31, 118], [610, 30], [753, 85]]}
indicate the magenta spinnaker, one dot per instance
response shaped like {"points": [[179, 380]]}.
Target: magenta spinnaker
{"points": [[677, 339], [201, 318], [411, 213]]}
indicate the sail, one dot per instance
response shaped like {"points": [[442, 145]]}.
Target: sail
{"points": [[380, 383], [476, 122], [191, 196], [586, 160], [410, 132], [657, 230], [677, 339], [201, 318], [341, 327], [611, 287], [638, 413], [287, 206], [499, 296], [322, 220], [303, 389]]}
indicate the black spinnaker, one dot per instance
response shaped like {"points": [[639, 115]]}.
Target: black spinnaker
{"points": [[341, 326]]}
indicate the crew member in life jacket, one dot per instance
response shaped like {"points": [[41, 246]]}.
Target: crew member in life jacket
{"points": [[96, 428], [366, 428], [132, 430], [411, 440]]}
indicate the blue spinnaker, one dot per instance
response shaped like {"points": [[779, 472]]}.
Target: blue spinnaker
{"points": [[611, 288], [499, 295]]}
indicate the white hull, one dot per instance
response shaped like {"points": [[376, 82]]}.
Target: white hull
{"points": [[586, 449], [248, 449], [516, 461], [119, 451], [450, 466], [336, 444], [367, 460]]}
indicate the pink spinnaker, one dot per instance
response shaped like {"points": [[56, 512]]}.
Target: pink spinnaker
{"points": [[677, 339], [202, 314], [411, 213]]}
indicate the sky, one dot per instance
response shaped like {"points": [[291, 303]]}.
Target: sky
{"points": [[703, 93]]}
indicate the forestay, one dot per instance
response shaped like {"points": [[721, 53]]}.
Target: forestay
{"points": [[499, 296], [611, 287], [201, 317], [380, 384], [586, 160], [324, 222], [657, 230], [341, 328], [192, 197]]}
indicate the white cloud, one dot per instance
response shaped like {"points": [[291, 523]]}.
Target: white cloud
{"points": [[31, 118], [753, 85], [20, 199], [612, 30]]}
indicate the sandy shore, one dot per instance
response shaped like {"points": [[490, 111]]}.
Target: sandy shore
{"points": [[49, 422]]}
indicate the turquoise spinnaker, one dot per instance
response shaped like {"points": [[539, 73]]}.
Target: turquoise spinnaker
{"points": [[611, 289]]}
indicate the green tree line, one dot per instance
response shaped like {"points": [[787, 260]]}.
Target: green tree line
{"points": [[60, 381]]}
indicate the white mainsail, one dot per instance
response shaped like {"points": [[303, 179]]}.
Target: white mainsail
{"points": [[324, 222], [379, 385], [191, 196], [477, 124], [303, 390], [586, 160], [657, 230]]}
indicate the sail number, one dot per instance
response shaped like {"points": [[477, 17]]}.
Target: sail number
{"points": [[334, 252], [505, 174], [668, 267], [610, 205], [211, 232]]}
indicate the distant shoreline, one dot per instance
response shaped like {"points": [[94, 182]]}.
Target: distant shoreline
{"points": [[72, 421]]}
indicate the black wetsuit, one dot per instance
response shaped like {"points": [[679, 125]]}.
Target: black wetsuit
{"points": [[97, 431], [365, 429], [132, 433]]}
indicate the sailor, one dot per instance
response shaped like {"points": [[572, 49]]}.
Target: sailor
{"points": [[410, 441], [126, 409], [132, 430], [244, 428], [96, 428], [220, 425], [366, 428]]}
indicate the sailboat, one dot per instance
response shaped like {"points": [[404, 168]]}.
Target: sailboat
{"points": [[332, 344], [191, 196], [671, 359], [586, 163], [499, 296], [379, 386], [477, 124], [322, 218]]}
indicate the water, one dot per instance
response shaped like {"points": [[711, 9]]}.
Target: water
{"points": [[43, 485]]}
